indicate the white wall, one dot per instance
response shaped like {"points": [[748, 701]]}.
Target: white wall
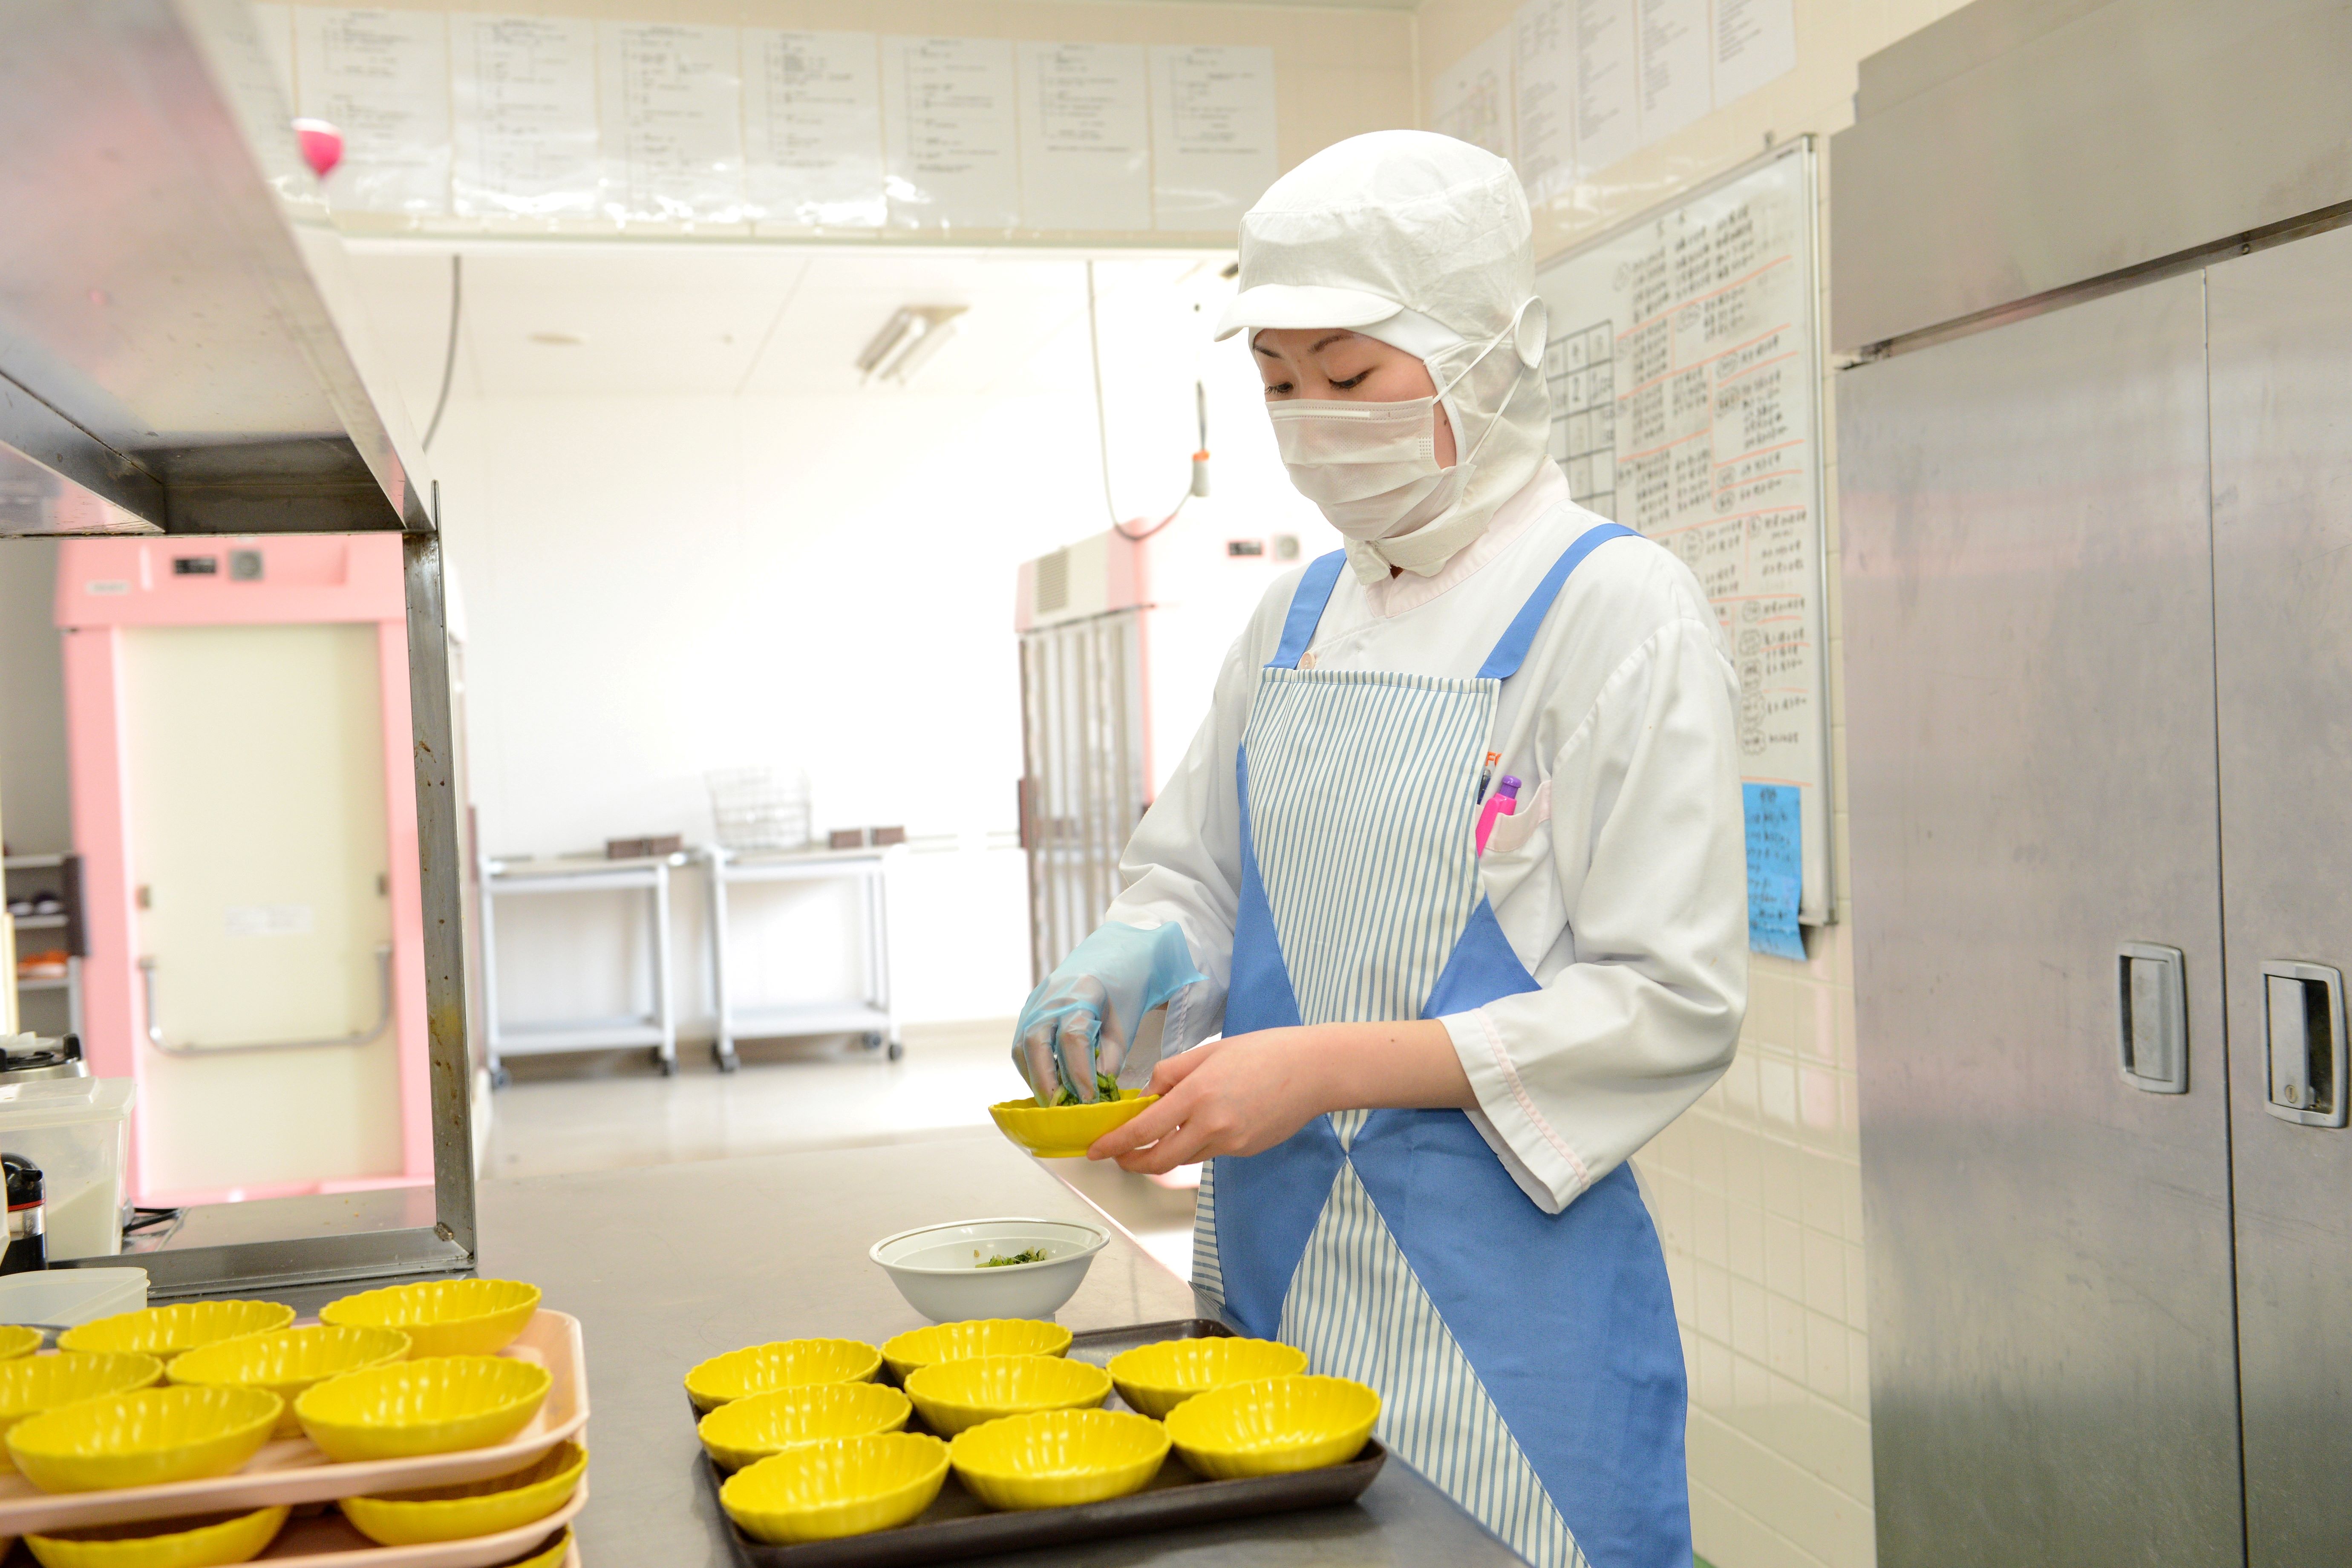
{"points": [[694, 540]]}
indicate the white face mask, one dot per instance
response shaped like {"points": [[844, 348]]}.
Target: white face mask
{"points": [[1372, 467]]}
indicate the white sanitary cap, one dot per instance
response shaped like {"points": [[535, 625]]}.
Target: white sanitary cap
{"points": [[1425, 243]]}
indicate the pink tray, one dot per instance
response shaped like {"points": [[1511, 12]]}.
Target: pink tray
{"points": [[328, 1540], [293, 1471]]}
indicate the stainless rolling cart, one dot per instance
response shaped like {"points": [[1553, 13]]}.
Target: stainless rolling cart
{"points": [[581, 874], [871, 1015]]}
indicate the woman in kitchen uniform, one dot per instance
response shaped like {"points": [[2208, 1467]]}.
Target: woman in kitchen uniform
{"points": [[1434, 1063]]}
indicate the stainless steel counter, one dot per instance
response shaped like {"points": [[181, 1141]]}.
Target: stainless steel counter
{"points": [[665, 1265]]}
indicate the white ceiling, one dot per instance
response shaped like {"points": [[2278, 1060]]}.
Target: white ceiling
{"points": [[722, 320]]}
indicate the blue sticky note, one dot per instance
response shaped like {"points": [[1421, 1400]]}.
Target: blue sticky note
{"points": [[1776, 869]]}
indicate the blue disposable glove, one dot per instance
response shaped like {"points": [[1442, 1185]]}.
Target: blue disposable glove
{"points": [[1082, 1020]]}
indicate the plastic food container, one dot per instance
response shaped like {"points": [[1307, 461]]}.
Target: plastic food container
{"points": [[67, 1296], [75, 1129]]}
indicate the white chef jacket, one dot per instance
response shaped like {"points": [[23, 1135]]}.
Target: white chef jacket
{"points": [[1620, 881]]}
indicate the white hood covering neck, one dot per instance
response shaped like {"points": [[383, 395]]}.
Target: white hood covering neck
{"points": [[1425, 243]]}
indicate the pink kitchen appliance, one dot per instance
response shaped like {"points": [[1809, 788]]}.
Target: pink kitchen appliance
{"points": [[245, 807]]}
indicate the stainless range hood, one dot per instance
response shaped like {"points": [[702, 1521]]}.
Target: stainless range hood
{"points": [[178, 337]]}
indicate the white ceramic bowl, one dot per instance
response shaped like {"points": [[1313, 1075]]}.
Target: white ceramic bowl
{"points": [[937, 1268]]}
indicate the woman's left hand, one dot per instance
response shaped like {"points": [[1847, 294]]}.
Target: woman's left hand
{"points": [[1241, 1095]]}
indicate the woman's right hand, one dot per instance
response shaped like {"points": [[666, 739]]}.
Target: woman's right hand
{"points": [[1078, 1027]]}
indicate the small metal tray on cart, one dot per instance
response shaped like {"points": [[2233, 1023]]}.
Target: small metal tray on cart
{"points": [[959, 1525]]}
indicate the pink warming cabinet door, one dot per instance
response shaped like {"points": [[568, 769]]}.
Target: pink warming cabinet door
{"points": [[245, 806]]}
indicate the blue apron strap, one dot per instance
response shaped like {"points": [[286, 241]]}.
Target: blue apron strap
{"points": [[1306, 608], [1504, 662]]}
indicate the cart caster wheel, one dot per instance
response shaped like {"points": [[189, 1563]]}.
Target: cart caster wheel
{"points": [[896, 1051], [728, 1060], [669, 1065], [499, 1078], [871, 1041]]}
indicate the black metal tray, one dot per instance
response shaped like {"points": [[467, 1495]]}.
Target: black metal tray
{"points": [[958, 1525]]}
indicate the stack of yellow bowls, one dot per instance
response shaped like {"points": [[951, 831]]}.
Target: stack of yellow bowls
{"points": [[451, 1390], [388, 1373]]}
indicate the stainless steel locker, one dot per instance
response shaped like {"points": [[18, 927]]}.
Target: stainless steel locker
{"points": [[2029, 667], [2281, 379]]}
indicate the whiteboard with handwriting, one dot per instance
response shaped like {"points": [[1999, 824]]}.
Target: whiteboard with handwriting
{"points": [[1684, 372]]}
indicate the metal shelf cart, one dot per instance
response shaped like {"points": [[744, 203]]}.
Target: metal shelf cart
{"points": [[62, 873], [659, 1028], [871, 1016]]}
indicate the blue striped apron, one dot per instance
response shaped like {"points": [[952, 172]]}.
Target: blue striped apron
{"points": [[1528, 1363]]}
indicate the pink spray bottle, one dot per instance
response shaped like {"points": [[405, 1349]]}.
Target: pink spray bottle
{"points": [[1503, 803]]}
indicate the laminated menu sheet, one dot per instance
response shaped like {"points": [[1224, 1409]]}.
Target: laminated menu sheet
{"points": [[952, 132], [813, 129], [382, 77], [1683, 366], [1086, 137], [526, 116], [672, 113], [1213, 147], [1471, 98], [1574, 86]]}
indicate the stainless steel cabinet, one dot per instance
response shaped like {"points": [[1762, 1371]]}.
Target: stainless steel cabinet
{"points": [[2281, 380], [2030, 680]]}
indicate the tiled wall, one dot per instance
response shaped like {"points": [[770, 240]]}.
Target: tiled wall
{"points": [[1759, 1194]]}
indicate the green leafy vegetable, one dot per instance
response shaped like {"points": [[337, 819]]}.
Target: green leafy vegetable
{"points": [[1106, 1088], [1033, 1255]]}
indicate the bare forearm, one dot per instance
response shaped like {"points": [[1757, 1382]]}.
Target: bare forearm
{"points": [[1408, 1065]]}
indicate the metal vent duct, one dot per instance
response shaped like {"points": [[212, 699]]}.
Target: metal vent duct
{"points": [[178, 337]]}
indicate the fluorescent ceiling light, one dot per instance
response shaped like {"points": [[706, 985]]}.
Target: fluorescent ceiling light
{"points": [[912, 334]]}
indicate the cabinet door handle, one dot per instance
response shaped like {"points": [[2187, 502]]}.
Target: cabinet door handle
{"points": [[2304, 1044], [2152, 1017]]}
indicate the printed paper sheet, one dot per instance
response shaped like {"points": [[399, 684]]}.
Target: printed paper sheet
{"points": [[672, 121], [952, 132], [1544, 114], [383, 79], [813, 113], [1086, 137], [1471, 98], [526, 113], [1213, 147]]}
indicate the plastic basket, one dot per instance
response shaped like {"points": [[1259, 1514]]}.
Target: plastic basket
{"points": [[755, 808]]}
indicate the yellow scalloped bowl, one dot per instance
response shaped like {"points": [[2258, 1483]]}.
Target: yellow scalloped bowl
{"points": [[547, 1556], [205, 1541], [843, 1486], [288, 1362], [902, 1353], [1058, 1457], [1064, 1132], [784, 1363], [31, 1384], [745, 1431], [1274, 1425], [443, 1317], [1156, 1378], [143, 1438], [954, 1396], [469, 1509], [165, 1331], [437, 1406], [18, 1340]]}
